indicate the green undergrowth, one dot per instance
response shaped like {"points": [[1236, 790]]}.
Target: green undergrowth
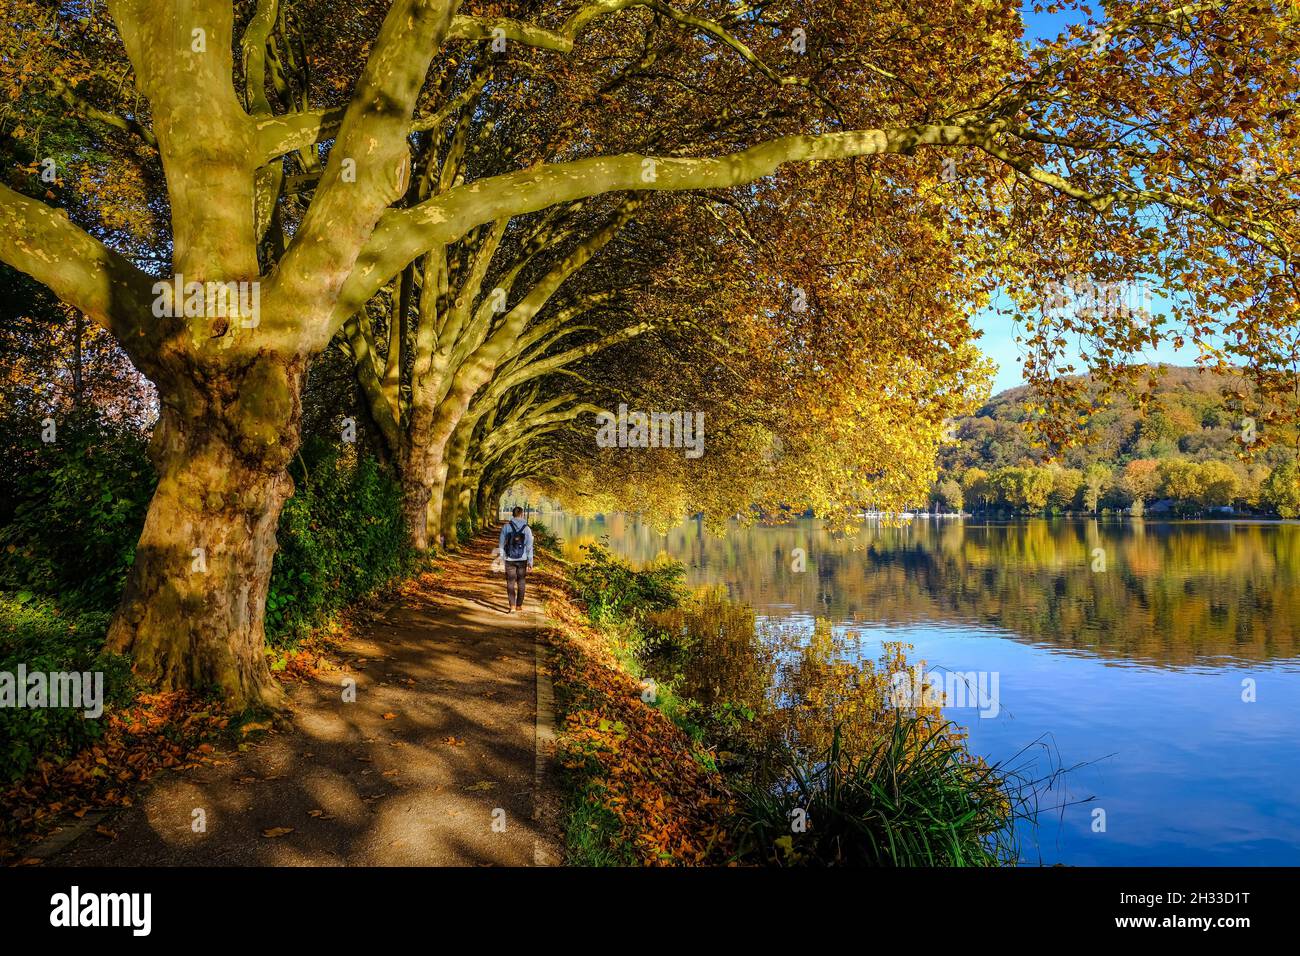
{"points": [[75, 510], [40, 637]]}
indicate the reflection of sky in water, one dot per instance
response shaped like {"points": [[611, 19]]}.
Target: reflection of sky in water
{"points": [[1155, 732]]}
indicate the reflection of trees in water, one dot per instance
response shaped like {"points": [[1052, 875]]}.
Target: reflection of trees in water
{"points": [[1171, 592]]}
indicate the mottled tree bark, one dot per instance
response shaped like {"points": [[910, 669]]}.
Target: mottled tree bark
{"points": [[192, 612], [454, 491], [416, 467]]}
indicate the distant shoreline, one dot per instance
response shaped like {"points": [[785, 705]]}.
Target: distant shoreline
{"points": [[1159, 519]]}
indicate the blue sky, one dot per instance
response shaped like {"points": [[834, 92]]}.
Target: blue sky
{"points": [[999, 338], [999, 343], [1040, 26]]}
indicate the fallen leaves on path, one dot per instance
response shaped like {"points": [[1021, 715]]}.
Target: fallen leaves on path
{"points": [[671, 809], [172, 730], [182, 732]]}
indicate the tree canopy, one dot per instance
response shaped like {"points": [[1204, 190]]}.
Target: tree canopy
{"points": [[514, 215]]}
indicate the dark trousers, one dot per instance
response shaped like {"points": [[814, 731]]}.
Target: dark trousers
{"points": [[516, 571]]}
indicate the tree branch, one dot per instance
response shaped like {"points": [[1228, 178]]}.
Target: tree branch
{"points": [[562, 40], [368, 166], [70, 98], [83, 272]]}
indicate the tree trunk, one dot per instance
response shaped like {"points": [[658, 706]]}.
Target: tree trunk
{"points": [[471, 497], [454, 507], [477, 517], [416, 468], [449, 518], [495, 493], [191, 615], [454, 504], [445, 418], [464, 503], [433, 513], [483, 511], [416, 494]]}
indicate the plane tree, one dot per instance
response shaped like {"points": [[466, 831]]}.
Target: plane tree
{"points": [[1076, 156]]}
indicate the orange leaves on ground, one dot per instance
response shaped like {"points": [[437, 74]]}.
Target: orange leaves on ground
{"points": [[671, 808], [311, 655], [156, 731]]}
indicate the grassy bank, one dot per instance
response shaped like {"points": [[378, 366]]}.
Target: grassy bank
{"points": [[639, 789], [695, 734]]}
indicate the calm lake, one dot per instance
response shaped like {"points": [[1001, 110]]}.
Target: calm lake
{"points": [[1156, 664]]}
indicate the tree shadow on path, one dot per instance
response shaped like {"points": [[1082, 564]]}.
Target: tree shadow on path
{"points": [[433, 764]]}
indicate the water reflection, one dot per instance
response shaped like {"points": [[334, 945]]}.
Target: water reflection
{"points": [[1159, 594]]}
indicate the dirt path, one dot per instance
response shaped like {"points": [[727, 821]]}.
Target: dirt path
{"points": [[435, 763]]}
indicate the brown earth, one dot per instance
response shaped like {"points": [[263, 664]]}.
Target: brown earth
{"points": [[440, 760]]}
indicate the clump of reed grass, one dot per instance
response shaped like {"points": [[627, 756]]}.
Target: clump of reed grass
{"points": [[915, 798]]}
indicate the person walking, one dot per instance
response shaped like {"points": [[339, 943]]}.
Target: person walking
{"points": [[516, 550]]}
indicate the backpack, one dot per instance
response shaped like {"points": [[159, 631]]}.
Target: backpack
{"points": [[516, 543]]}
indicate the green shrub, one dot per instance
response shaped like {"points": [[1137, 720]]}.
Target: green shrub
{"points": [[543, 537], [79, 507], [341, 536], [36, 634], [611, 589]]}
